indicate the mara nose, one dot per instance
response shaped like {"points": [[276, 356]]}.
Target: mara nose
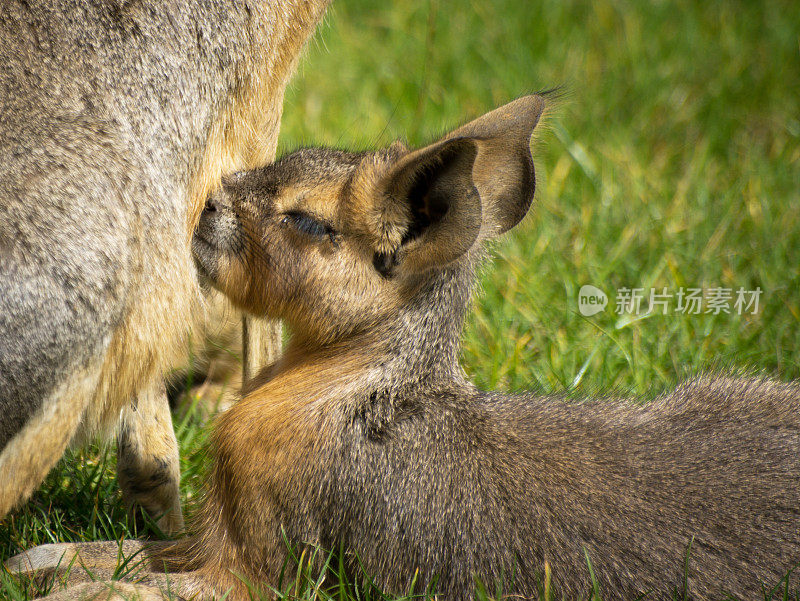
{"points": [[211, 205]]}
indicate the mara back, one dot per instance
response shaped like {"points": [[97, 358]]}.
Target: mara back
{"points": [[116, 120]]}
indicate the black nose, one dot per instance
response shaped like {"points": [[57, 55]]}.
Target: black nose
{"points": [[211, 206]]}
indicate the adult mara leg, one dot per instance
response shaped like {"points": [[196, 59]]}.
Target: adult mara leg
{"points": [[66, 267], [53, 340], [148, 466], [261, 344], [35, 449]]}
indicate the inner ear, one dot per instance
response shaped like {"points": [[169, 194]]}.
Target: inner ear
{"points": [[429, 203], [441, 207]]}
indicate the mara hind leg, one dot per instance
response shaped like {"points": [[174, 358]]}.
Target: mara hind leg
{"points": [[148, 466], [78, 561], [261, 344], [37, 447], [168, 589], [114, 590], [105, 570]]}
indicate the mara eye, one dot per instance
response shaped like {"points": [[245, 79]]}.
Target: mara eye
{"points": [[308, 225]]}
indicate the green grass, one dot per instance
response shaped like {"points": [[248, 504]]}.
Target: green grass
{"points": [[673, 160]]}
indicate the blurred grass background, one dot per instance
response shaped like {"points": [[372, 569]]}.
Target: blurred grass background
{"points": [[672, 160]]}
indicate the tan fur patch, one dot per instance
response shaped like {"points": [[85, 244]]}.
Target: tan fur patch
{"points": [[236, 530], [380, 221], [245, 135]]}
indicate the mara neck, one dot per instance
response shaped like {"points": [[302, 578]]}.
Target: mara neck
{"points": [[417, 347]]}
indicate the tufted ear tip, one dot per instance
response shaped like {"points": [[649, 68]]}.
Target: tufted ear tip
{"points": [[504, 172], [514, 120]]}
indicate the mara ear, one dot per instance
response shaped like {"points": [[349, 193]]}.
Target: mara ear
{"points": [[432, 204], [503, 172], [430, 211]]}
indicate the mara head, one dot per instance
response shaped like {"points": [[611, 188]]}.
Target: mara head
{"points": [[334, 242]]}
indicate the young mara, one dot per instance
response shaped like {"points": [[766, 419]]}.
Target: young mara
{"points": [[366, 438]]}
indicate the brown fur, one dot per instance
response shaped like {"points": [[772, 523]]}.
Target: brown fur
{"points": [[366, 439]]}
